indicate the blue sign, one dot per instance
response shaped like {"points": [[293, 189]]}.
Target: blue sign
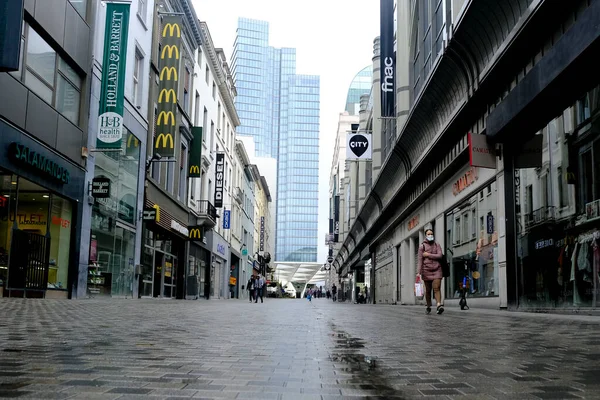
{"points": [[490, 224], [226, 219]]}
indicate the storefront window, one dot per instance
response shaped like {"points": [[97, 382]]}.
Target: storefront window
{"points": [[39, 260], [558, 216], [60, 239], [112, 249], [473, 254]]}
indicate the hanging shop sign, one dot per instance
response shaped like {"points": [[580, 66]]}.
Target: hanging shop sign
{"points": [[388, 58], [262, 234], [466, 180], [226, 219], [101, 188], [38, 163], [530, 155], [232, 280], [358, 146], [11, 21], [112, 89], [219, 177], [490, 224], [170, 41], [196, 153], [481, 153], [336, 219], [195, 233]]}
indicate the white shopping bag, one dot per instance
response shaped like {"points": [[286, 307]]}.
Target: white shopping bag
{"points": [[419, 289]]}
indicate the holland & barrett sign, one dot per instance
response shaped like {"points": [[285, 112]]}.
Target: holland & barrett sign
{"points": [[110, 121]]}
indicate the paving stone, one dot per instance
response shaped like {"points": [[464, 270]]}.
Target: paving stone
{"points": [[145, 349]]}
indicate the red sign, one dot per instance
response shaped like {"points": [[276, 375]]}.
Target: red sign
{"points": [[413, 222], [65, 223], [3, 201], [464, 181]]}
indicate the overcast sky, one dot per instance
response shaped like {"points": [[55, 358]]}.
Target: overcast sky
{"points": [[333, 39]]}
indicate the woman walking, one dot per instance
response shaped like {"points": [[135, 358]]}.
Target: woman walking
{"points": [[430, 270]]}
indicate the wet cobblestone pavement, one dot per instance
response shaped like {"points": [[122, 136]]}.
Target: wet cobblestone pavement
{"points": [[290, 349]]}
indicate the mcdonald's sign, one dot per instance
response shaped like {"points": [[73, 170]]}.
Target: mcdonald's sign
{"points": [[168, 72], [167, 87], [196, 153], [167, 93], [170, 50], [164, 140], [195, 233], [170, 28], [164, 118]]}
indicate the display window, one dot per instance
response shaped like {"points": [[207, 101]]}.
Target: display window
{"points": [[35, 236], [472, 246]]}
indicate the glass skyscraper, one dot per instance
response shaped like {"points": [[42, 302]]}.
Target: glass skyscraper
{"points": [[280, 110]]}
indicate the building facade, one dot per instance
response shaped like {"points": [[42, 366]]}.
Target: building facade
{"points": [[43, 135], [280, 110], [520, 229]]}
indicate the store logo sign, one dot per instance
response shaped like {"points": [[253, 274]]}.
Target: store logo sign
{"points": [[413, 222], [195, 233], [101, 188], [464, 181], [177, 227], [358, 147], [36, 162], [481, 153], [219, 177], [221, 249]]}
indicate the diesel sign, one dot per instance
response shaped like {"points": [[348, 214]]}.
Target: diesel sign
{"points": [[219, 177]]}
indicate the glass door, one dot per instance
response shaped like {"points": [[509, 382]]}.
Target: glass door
{"points": [[169, 276], [147, 271], [123, 261]]}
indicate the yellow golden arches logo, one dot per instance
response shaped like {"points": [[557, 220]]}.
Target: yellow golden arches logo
{"points": [[132, 139], [195, 233], [157, 208], [164, 117], [167, 141], [167, 93], [172, 28], [168, 71], [170, 49], [194, 169]]}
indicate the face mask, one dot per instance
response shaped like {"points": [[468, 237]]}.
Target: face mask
{"points": [[430, 238]]}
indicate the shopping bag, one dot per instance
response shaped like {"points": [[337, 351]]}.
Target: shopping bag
{"points": [[419, 288]]}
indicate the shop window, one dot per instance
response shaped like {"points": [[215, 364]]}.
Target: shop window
{"points": [[474, 259], [61, 217], [46, 218]]}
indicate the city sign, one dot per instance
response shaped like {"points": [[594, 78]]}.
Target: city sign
{"points": [[358, 146]]}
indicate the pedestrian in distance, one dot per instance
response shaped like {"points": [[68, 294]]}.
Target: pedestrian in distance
{"points": [[334, 292], [260, 284], [251, 285], [429, 269]]}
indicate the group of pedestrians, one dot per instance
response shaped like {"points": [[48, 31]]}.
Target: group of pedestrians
{"points": [[256, 287]]}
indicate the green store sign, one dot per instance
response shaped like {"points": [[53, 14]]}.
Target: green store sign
{"points": [[45, 167]]}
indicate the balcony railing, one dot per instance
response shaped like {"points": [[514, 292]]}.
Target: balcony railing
{"points": [[207, 213], [239, 196], [540, 216]]}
